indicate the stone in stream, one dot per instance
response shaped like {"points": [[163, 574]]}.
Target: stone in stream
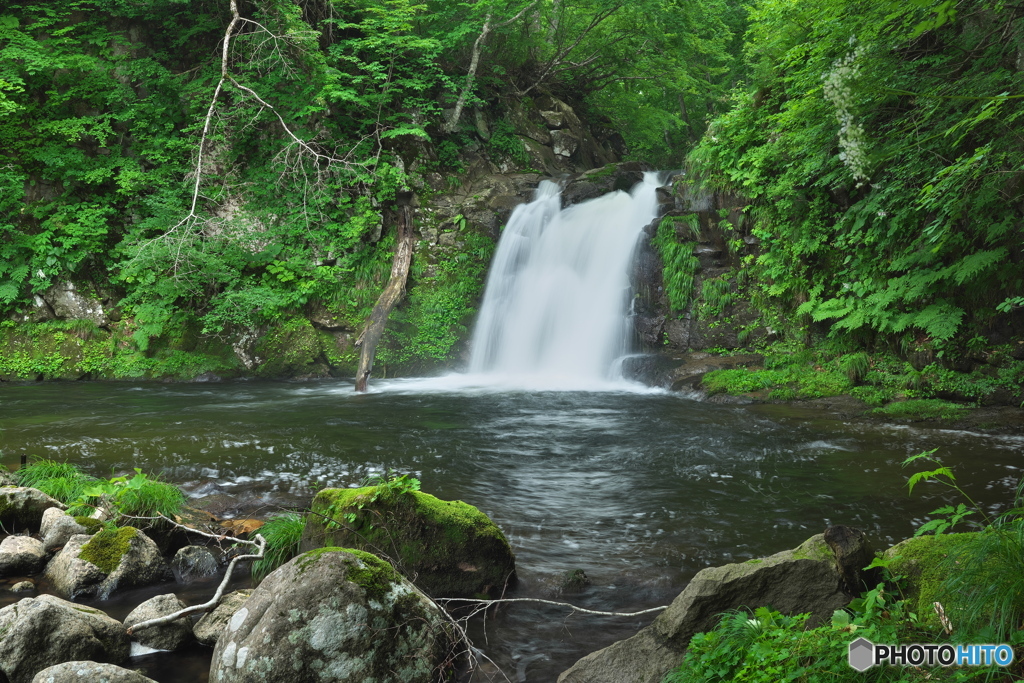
{"points": [[209, 628], [21, 556], [36, 633], [57, 527], [172, 636], [806, 579], [194, 562], [112, 560], [447, 548], [89, 672], [339, 615], [6, 478], [22, 507]]}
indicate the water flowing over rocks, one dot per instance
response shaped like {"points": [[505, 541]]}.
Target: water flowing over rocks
{"points": [[36, 633], [209, 628], [344, 615], [805, 579], [89, 672], [21, 555], [130, 559], [22, 507], [447, 548]]}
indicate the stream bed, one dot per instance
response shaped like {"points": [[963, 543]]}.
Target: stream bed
{"points": [[639, 488]]}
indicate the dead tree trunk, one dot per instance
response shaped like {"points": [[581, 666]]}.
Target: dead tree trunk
{"points": [[392, 293]]}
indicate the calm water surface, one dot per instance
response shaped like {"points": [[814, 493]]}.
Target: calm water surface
{"points": [[640, 489]]}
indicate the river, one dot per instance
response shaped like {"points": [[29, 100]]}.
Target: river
{"points": [[639, 488]]}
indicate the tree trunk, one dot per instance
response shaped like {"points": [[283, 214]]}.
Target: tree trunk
{"points": [[392, 293]]}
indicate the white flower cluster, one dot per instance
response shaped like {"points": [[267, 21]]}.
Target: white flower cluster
{"points": [[838, 91]]}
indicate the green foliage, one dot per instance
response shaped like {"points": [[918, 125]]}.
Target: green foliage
{"points": [[679, 263], [60, 480], [505, 143], [922, 409], [283, 534], [881, 166]]}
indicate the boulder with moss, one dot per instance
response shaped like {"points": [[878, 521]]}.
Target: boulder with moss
{"points": [[22, 507], [21, 556], [36, 633], [57, 527], [805, 579], [114, 559], [447, 548], [344, 615]]}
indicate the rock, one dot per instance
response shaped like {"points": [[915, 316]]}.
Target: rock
{"points": [[209, 628], [6, 477], [345, 615], [89, 672], [574, 581], [805, 579], [22, 507], [172, 636], [695, 365], [23, 587], [447, 548], [112, 560], [68, 303], [57, 527], [194, 562], [21, 556], [43, 631]]}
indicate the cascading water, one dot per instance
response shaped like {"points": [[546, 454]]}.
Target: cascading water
{"points": [[554, 314]]}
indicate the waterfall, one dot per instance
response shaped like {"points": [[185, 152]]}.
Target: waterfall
{"points": [[555, 310]]}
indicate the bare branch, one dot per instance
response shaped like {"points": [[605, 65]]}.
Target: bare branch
{"points": [[574, 608]]}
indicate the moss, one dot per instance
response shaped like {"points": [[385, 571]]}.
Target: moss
{"points": [[107, 547], [91, 525], [428, 539], [290, 349], [372, 574], [919, 563], [922, 409], [813, 548]]}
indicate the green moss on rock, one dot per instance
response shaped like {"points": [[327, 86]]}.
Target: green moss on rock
{"points": [[91, 525], [292, 349], [107, 547], [444, 547]]}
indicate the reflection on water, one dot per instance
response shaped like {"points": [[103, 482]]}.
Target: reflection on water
{"points": [[641, 489]]}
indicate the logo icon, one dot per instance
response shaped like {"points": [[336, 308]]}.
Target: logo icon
{"points": [[862, 654]]}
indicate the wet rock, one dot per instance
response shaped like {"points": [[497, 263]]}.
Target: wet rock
{"points": [[345, 615], [89, 672], [69, 303], [695, 365], [57, 527], [21, 555], [22, 507], [805, 579], [112, 560], [209, 628], [172, 636], [23, 587], [574, 581], [449, 548], [194, 562], [44, 631], [6, 477]]}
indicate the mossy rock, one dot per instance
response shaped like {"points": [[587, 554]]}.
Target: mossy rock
{"points": [[446, 548], [924, 562], [292, 349]]}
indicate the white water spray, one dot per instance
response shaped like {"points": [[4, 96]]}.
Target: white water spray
{"points": [[555, 311]]}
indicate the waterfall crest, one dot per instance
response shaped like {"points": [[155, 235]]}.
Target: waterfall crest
{"points": [[555, 310]]}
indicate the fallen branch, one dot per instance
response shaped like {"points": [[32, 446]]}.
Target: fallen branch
{"points": [[574, 608], [261, 547]]}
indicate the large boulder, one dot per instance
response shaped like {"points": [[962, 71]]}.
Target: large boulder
{"points": [[209, 628], [21, 556], [57, 527], [36, 633], [447, 548], [22, 507], [111, 560], [172, 636], [344, 615], [806, 579], [89, 672]]}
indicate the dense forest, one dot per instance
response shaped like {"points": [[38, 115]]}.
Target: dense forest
{"points": [[209, 170]]}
